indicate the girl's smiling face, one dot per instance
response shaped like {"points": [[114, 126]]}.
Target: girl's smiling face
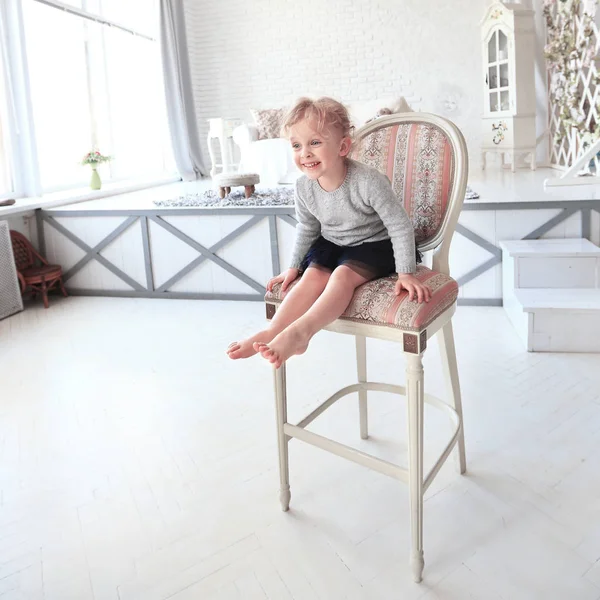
{"points": [[319, 154]]}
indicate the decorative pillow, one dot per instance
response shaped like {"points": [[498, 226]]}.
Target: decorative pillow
{"points": [[268, 122], [380, 113], [361, 112]]}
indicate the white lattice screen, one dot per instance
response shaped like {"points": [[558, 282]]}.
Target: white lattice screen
{"points": [[10, 293], [565, 153]]}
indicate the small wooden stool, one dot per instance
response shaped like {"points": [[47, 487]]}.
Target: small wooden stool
{"points": [[225, 181]]}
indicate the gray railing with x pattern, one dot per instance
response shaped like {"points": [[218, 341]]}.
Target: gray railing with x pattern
{"points": [[271, 214]]}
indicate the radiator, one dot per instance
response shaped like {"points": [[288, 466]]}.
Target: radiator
{"points": [[10, 292]]}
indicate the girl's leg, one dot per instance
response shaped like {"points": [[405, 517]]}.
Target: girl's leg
{"points": [[294, 305], [329, 306]]}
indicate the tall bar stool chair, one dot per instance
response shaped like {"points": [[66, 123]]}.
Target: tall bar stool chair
{"points": [[425, 158]]}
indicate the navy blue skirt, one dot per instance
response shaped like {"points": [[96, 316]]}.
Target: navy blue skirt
{"points": [[372, 259]]}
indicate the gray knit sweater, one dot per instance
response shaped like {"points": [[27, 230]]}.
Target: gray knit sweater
{"points": [[363, 209]]}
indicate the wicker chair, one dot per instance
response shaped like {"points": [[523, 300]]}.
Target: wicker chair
{"points": [[40, 277], [425, 158]]}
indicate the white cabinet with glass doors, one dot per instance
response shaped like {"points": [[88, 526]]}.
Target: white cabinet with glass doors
{"points": [[508, 37]]}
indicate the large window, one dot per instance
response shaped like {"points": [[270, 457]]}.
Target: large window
{"points": [[94, 80]]}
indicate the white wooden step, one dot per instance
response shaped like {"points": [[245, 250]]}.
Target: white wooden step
{"points": [[556, 320], [564, 299], [551, 247], [553, 263]]}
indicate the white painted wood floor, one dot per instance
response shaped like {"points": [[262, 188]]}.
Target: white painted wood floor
{"points": [[138, 462]]}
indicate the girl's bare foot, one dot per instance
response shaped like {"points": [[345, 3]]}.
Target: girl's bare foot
{"points": [[245, 348], [292, 340]]}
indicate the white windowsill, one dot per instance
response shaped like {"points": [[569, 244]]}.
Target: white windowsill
{"points": [[73, 196]]}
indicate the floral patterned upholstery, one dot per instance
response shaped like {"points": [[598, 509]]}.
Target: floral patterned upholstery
{"points": [[375, 303], [417, 158]]}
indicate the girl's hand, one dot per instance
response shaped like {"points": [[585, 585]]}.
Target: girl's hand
{"points": [[287, 277], [413, 286]]}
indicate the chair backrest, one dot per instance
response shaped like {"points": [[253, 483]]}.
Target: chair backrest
{"points": [[425, 158], [22, 250]]}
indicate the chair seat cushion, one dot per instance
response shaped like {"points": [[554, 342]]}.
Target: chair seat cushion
{"points": [[47, 272], [375, 302]]}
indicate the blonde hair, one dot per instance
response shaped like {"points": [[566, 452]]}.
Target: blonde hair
{"points": [[327, 112]]}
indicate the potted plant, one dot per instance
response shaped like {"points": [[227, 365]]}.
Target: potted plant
{"points": [[95, 158]]}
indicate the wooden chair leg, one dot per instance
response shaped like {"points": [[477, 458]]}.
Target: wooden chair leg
{"points": [[62, 287], [45, 294], [248, 190], [22, 282], [282, 439], [222, 192], [448, 354], [415, 397], [361, 370]]}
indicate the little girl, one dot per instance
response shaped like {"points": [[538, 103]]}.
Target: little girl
{"points": [[351, 228]]}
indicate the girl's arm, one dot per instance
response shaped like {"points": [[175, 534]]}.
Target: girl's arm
{"points": [[308, 230], [396, 220], [386, 204]]}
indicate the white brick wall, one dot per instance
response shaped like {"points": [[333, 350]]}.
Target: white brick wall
{"points": [[265, 53], [24, 224]]}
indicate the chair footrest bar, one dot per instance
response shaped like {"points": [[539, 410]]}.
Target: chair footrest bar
{"points": [[361, 458], [443, 457], [377, 464], [355, 387], [373, 387]]}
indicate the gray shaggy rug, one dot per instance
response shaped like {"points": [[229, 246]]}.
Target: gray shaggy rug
{"points": [[277, 196]]}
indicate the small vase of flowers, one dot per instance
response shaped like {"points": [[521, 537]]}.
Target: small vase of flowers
{"points": [[95, 158]]}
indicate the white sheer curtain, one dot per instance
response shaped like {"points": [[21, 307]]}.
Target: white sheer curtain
{"points": [[178, 90], [6, 183], [19, 139]]}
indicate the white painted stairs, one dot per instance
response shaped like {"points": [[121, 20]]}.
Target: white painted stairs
{"points": [[551, 293]]}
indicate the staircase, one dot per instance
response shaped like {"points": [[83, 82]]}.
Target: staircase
{"points": [[551, 293]]}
